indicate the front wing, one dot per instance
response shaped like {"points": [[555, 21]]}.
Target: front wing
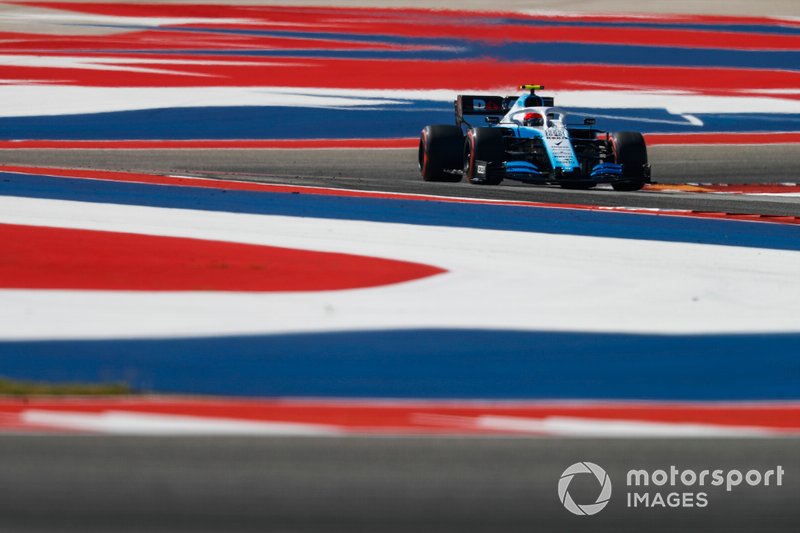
{"points": [[529, 172]]}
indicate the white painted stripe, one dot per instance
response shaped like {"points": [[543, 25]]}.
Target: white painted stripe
{"points": [[21, 100], [63, 17], [593, 427], [780, 194], [132, 423], [114, 64], [496, 279], [156, 424]]}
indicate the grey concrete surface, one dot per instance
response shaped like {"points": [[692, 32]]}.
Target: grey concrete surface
{"points": [[93, 484]]}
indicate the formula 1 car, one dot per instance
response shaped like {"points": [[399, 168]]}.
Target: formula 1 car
{"points": [[526, 138]]}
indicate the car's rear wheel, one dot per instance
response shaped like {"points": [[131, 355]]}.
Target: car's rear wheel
{"points": [[484, 145], [439, 156], [630, 151]]}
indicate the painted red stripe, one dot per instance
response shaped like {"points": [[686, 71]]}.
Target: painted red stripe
{"points": [[399, 74], [58, 258], [741, 216], [448, 28], [752, 188], [666, 37], [128, 177], [325, 191], [393, 74], [656, 139], [304, 144], [415, 22], [424, 417], [317, 15], [151, 41]]}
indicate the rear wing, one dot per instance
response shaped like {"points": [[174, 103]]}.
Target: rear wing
{"points": [[467, 105]]}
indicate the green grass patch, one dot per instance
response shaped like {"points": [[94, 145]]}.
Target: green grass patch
{"points": [[12, 387]]}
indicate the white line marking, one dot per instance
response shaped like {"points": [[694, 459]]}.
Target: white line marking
{"points": [[132, 423], [496, 280], [592, 427]]}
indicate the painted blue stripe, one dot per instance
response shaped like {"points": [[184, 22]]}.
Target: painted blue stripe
{"points": [[382, 121], [439, 49], [662, 121], [774, 29], [433, 20], [431, 364], [541, 52], [379, 121], [429, 213]]}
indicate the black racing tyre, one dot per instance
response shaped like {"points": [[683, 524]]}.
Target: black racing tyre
{"points": [[630, 151], [440, 149], [483, 144]]}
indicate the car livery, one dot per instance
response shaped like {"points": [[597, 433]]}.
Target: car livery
{"points": [[527, 138]]}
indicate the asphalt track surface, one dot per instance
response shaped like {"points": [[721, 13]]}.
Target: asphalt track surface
{"points": [[154, 484], [395, 170]]}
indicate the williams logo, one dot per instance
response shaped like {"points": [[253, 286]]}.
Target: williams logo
{"points": [[588, 508]]}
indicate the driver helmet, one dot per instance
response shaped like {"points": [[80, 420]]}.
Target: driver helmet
{"points": [[532, 119]]}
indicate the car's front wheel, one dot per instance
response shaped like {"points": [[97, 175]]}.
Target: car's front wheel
{"points": [[630, 151], [482, 147]]}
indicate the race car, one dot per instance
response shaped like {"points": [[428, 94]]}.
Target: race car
{"points": [[526, 138]]}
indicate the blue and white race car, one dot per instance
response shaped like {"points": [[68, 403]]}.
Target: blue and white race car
{"points": [[526, 138]]}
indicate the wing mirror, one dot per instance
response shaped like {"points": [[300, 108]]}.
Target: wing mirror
{"points": [[589, 121], [493, 120]]}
